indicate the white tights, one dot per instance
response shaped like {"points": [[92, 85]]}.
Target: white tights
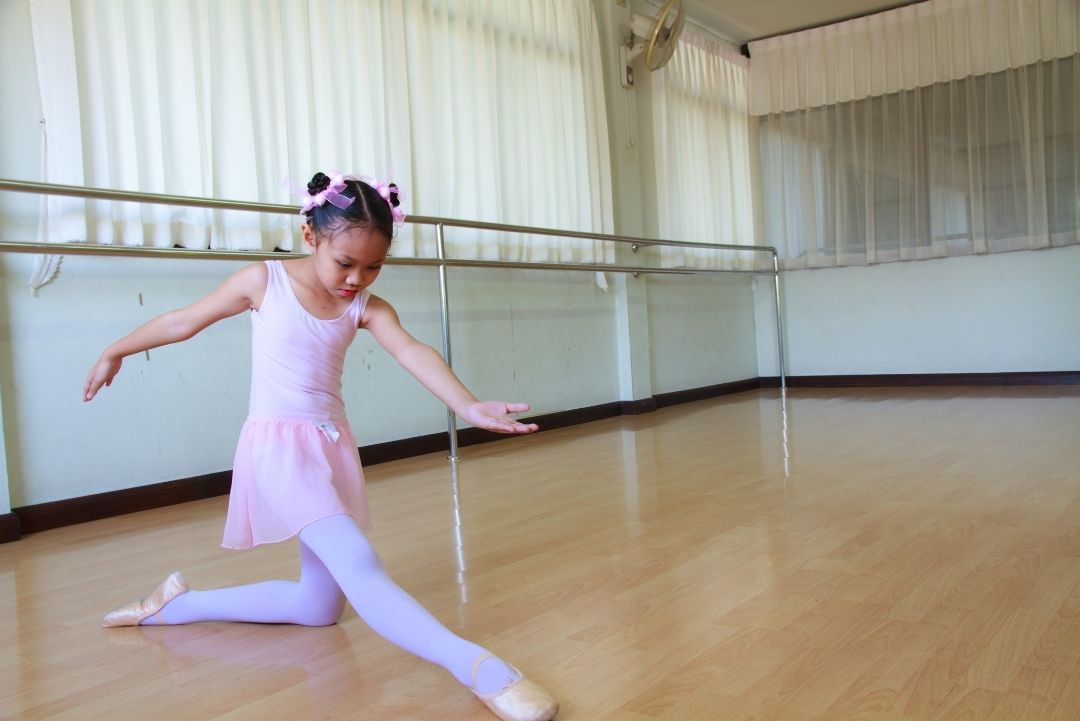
{"points": [[337, 562]]}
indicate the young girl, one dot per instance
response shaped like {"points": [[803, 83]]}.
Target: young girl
{"points": [[297, 472]]}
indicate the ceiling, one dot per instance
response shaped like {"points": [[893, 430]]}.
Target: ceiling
{"points": [[745, 20]]}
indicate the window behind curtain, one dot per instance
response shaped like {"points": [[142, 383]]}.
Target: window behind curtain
{"points": [[480, 109], [982, 164], [702, 153], [508, 102]]}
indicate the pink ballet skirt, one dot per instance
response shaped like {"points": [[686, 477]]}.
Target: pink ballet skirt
{"points": [[287, 473], [297, 459]]}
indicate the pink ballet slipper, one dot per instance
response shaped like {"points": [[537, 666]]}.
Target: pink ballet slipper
{"points": [[134, 613], [522, 700]]}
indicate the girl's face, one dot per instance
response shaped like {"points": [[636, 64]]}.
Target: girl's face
{"points": [[348, 261]]}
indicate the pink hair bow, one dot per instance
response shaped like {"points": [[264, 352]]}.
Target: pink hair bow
{"points": [[384, 190], [330, 194]]}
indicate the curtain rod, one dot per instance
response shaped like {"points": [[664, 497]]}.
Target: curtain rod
{"points": [[745, 47]]}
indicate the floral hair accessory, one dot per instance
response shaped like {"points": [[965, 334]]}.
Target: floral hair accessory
{"points": [[393, 195], [330, 194]]}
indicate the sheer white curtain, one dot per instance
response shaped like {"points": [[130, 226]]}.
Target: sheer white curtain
{"points": [[945, 128], [480, 110], [510, 125], [702, 149]]}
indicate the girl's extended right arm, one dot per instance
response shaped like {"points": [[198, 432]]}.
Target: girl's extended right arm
{"points": [[242, 291]]}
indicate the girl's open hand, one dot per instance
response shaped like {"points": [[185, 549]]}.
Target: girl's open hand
{"points": [[495, 416], [100, 375]]}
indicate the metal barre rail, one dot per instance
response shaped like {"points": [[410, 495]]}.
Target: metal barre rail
{"points": [[135, 251], [442, 262], [26, 186]]}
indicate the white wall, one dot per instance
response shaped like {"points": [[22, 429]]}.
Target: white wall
{"points": [[59, 447], [20, 108], [697, 326], [978, 314], [553, 339], [177, 414]]}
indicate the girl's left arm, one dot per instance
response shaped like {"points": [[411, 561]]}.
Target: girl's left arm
{"points": [[428, 367]]}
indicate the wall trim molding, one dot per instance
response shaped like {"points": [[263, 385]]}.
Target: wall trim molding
{"points": [[46, 516], [434, 442], [67, 512], [634, 408], [698, 394], [10, 528], [904, 380]]}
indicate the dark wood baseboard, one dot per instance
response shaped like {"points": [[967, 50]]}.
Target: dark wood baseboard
{"points": [[10, 528], [436, 442], [698, 394], [634, 408], [913, 380], [45, 516], [403, 448], [56, 514]]}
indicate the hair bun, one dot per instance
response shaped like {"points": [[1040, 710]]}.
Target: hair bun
{"points": [[319, 182], [395, 201]]}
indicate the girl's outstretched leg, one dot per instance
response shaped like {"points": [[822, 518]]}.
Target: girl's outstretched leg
{"points": [[315, 600], [390, 611], [400, 619]]}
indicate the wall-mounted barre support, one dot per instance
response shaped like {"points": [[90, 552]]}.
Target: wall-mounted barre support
{"points": [[444, 307]]}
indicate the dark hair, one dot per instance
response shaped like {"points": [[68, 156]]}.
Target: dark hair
{"points": [[368, 211]]}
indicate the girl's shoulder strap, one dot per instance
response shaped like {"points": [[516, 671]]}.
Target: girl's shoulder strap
{"points": [[275, 276], [356, 310], [275, 272]]}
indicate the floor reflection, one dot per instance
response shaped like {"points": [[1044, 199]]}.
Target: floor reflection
{"points": [[459, 536], [785, 446]]}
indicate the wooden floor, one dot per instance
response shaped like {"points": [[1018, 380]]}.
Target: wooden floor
{"points": [[867, 554]]}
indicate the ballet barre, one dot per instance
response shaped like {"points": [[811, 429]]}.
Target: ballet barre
{"points": [[442, 262]]}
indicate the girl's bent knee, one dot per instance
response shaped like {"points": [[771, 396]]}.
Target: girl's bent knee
{"points": [[316, 606], [320, 610], [313, 620]]}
